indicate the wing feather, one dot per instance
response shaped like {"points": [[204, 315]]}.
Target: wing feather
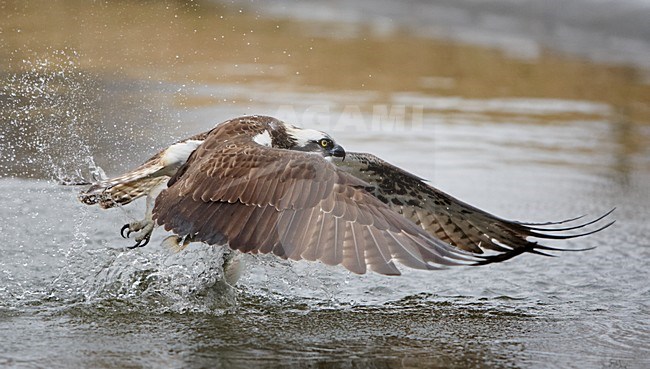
{"points": [[449, 219], [354, 246], [379, 257], [305, 208]]}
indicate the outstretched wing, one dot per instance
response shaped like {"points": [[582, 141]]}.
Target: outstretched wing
{"points": [[451, 220], [296, 205]]}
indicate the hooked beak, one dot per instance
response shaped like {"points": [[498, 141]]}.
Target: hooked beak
{"points": [[337, 151]]}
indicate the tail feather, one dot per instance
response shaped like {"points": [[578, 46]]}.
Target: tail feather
{"points": [[108, 196], [122, 190], [125, 188]]}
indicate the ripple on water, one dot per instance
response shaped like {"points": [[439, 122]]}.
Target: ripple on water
{"points": [[98, 289]]}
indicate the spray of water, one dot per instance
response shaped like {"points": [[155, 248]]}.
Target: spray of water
{"points": [[47, 117], [53, 120]]}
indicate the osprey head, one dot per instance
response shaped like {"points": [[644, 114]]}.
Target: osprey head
{"points": [[286, 136]]}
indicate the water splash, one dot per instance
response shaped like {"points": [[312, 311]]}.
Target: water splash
{"points": [[52, 114], [154, 280], [48, 117]]}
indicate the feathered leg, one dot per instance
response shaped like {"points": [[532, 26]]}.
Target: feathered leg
{"points": [[143, 228]]}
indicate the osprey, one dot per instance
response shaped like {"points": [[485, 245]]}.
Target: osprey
{"points": [[260, 185], [150, 178]]}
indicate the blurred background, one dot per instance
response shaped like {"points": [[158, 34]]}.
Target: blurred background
{"points": [[532, 110], [120, 75]]}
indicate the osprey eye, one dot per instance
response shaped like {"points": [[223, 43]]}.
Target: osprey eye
{"points": [[325, 143]]}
